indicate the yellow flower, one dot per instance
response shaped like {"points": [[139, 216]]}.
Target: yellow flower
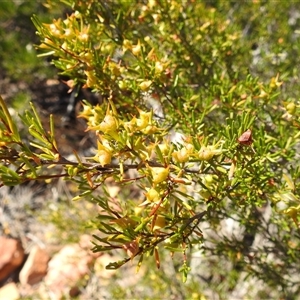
{"points": [[145, 85], [208, 152], [159, 223], [159, 174], [136, 50], [109, 124], [127, 45], [144, 120], [104, 154], [183, 154], [152, 195]]}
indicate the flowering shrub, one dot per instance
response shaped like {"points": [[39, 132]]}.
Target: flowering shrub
{"points": [[184, 122]]}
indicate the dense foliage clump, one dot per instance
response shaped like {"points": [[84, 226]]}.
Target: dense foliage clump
{"points": [[204, 129]]}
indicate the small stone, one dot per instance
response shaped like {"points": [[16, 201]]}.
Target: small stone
{"points": [[11, 256], [35, 267], [66, 268], [9, 292]]}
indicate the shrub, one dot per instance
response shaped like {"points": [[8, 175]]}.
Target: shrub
{"points": [[186, 122]]}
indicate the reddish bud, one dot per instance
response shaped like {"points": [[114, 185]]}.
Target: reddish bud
{"points": [[246, 138]]}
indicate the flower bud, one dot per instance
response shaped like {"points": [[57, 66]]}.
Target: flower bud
{"points": [[91, 80], [77, 14], [104, 153], [144, 120], [263, 94], [122, 85], [114, 68], [145, 85], [209, 179], [103, 157], [69, 33], [87, 112], [136, 50], [109, 124], [159, 174], [131, 125], [205, 194], [292, 211], [83, 36], [159, 223], [152, 4], [207, 153], [54, 30], [138, 210], [164, 149], [291, 108], [150, 129], [152, 195], [181, 156], [159, 67], [156, 18], [127, 45]]}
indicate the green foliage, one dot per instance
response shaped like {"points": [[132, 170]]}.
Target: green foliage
{"points": [[17, 37], [165, 68]]}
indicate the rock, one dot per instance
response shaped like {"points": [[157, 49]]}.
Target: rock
{"points": [[11, 256], [66, 268], [9, 292], [35, 267]]}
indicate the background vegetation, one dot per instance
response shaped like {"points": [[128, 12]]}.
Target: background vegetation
{"points": [[198, 125]]}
